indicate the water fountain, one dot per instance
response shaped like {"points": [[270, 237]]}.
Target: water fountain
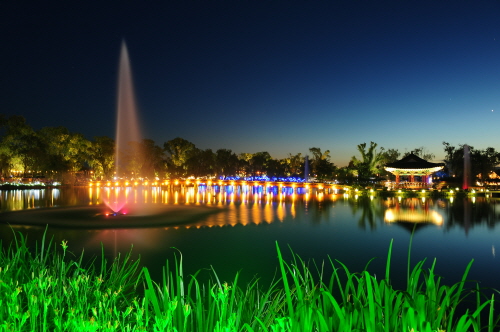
{"points": [[124, 207], [467, 172], [128, 155]]}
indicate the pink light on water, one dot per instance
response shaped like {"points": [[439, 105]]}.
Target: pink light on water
{"points": [[115, 199]]}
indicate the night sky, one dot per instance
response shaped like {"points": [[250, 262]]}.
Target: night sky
{"points": [[250, 76]]}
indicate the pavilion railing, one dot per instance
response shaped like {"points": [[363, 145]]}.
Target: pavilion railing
{"points": [[412, 185]]}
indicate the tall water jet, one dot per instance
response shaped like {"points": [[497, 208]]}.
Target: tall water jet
{"points": [[128, 154], [128, 139], [467, 171]]}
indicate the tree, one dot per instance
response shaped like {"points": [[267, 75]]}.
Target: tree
{"points": [[321, 166], [370, 162], [422, 153], [482, 162], [275, 167], [17, 146], [64, 152], [153, 164], [102, 152], [77, 154], [179, 151], [259, 162], [389, 155], [226, 162], [454, 159], [201, 163], [294, 164], [345, 174]]}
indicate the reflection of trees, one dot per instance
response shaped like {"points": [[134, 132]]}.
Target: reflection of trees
{"points": [[470, 212], [319, 210], [370, 211]]}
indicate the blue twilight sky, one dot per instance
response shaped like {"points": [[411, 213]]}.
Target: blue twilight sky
{"points": [[269, 75]]}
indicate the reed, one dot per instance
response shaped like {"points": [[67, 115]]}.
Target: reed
{"points": [[49, 289]]}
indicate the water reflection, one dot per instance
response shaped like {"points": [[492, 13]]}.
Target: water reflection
{"points": [[369, 212], [260, 205], [314, 223], [12, 200], [468, 213], [413, 213]]}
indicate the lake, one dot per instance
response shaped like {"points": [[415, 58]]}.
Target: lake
{"points": [[242, 234]]}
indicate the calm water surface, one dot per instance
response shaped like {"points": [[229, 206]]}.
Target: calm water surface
{"points": [[243, 235]]}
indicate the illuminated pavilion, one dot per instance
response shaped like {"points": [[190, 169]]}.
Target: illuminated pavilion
{"points": [[413, 172]]}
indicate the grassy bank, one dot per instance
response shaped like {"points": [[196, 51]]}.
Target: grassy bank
{"points": [[48, 289]]}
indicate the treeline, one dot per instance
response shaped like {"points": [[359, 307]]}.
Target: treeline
{"points": [[56, 153]]}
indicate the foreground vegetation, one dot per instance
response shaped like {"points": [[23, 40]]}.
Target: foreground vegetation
{"points": [[45, 290]]}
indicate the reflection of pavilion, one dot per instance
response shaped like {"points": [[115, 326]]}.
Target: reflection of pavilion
{"points": [[413, 216], [412, 213], [415, 170]]}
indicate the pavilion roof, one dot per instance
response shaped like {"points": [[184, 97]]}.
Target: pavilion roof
{"points": [[412, 161]]}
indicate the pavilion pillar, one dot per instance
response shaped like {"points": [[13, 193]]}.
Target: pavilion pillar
{"points": [[397, 178]]}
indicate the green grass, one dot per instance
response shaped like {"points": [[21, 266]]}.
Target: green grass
{"points": [[48, 289]]}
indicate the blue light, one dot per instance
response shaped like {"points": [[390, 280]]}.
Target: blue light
{"points": [[263, 178]]}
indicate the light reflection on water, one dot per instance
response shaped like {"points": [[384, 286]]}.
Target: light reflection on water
{"points": [[314, 224]]}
